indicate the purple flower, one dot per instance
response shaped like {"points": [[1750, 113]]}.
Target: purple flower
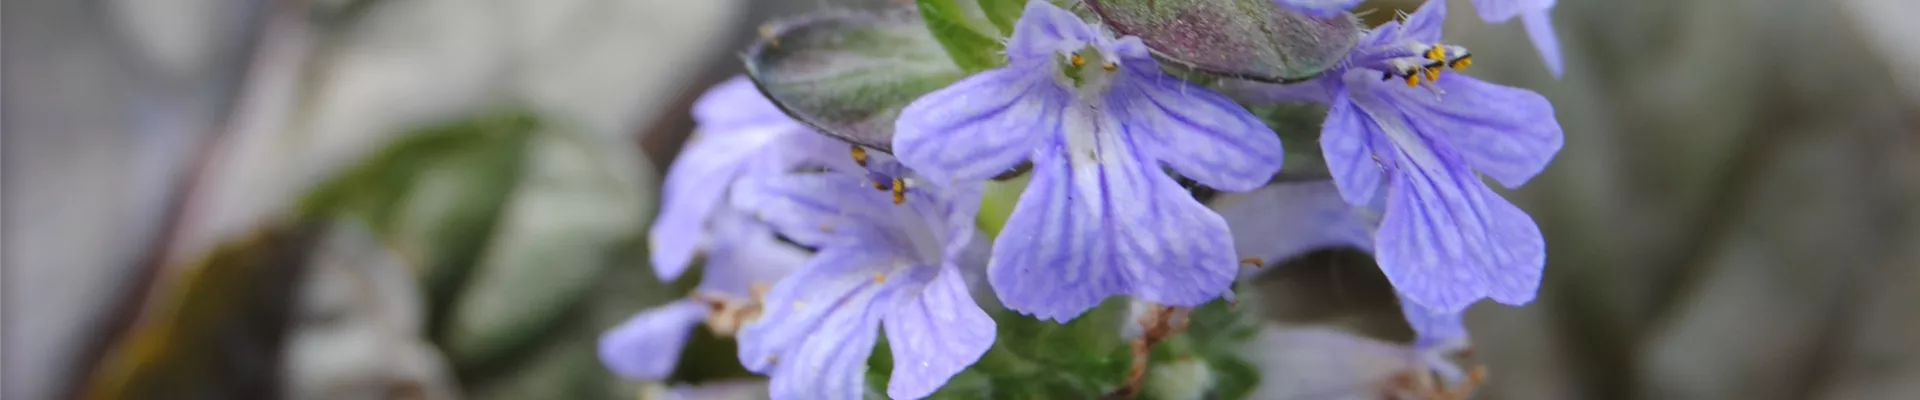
{"points": [[891, 260], [742, 134], [1445, 238], [1538, 18], [1099, 120], [1319, 8], [647, 346]]}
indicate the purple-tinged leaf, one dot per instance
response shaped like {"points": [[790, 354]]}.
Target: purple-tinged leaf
{"points": [[1249, 39], [848, 74]]}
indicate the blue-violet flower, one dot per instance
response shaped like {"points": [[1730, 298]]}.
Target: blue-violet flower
{"points": [[742, 134], [1098, 119], [1445, 238], [880, 262], [737, 271]]}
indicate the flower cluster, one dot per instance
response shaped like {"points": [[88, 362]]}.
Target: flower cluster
{"points": [[809, 254]]}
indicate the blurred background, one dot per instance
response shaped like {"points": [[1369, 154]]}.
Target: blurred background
{"points": [[446, 199]]}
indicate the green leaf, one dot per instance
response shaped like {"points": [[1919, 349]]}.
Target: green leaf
{"points": [[433, 195], [1248, 39], [1003, 13], [849, 74], [970, 48], [579, 202]]}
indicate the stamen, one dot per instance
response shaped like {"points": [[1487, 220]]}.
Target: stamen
{"points": [[1437, 53], [1110, 67], [1433, 73], [1413, 80], [1462, 62], [880, 278], [1077, 61], [1255, 262], [899, 190], [860, 156]]}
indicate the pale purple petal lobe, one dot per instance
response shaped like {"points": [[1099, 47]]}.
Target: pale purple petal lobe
{"points": [[647, 346], [1508, 134], [978, 127], [1497, 11], [935, 335], [832, 362], [1095, 223], [1447, 240], [696, 183], [1539, 25], [1200, 134], [797, 308], [1045, 31], [1345, 141]]}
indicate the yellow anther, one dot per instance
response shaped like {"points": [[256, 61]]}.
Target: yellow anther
{"points": [[1461, 63], [860, 156], [879, 185], [899, 190], [1077, 61], [1413, 80], [1255, 262], [1433, 73], [880, 278], [1437, 53], [1110, 67]]}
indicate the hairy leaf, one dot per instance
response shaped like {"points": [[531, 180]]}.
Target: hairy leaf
{"points": [[1248, 39], [849, 74]]}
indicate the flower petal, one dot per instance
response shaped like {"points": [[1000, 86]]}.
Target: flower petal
{"points": [[935, 335], [818, 209], [831, 362], [746, 253], [1104, 223], [1501, 10], [1320, 8], [980, 126], [1448, 240], [647, 346], [1045, 31], [1200, 134], [696, 183], [1509, 134], [736, 105], [1345, 142], [1434, 328], [1539, 25], [799, 307], [1285, 220]]}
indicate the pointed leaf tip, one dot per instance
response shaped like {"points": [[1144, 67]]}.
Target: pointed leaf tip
{"points": [[848, 74]]}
